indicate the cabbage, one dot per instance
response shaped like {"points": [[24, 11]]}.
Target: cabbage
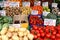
{"points": [[6, 25]]}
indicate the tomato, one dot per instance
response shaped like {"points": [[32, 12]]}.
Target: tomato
{"points": [[42, 34], [35, 36], [38, 34], [54, 32], [52, 36], [35, 27], [37, 31], [48, 35], [57, 35], [41, 31], [32, 31]]}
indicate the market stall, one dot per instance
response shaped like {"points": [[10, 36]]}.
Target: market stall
{"points": [[29, 20]]}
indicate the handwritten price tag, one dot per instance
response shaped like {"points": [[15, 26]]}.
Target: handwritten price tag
{"points": [[45, 4], [2, 12], [1, 4], [50, 22], [14, 4], [6, 3], [26, 4], [34, 12], [54, 4], [16, 25]]}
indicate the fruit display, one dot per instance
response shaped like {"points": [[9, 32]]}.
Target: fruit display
{"points": [[35, 20], [58, 19], [11, 11], [46, 9], [55, 10], [50, 16], [38, 8], [46, 33], [13, 33], [26, 10], [5, 19], [20, 1]]}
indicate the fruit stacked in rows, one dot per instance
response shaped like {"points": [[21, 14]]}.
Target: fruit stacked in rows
{"points": [[35, 20], [46, 33]]}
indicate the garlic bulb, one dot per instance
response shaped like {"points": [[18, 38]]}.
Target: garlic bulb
{"points": [[14, 37], [11, 29], [4, 37], [30, 36], [20, 34], [25, 38], [3, 31]]}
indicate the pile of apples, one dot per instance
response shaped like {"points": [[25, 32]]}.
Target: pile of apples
{"points": [[13, 33], [46, 32]]}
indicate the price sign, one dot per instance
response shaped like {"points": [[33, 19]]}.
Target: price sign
{"points": [[45, 4], [26, 4], [50, 22], [14, 4], [34, 12], [6, 3], [2, 12], [45, 13], [1, 4], [37, 3], [16, 25], [54, 4]]}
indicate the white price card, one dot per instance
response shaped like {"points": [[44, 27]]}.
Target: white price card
{"points": [[54, 4], [50, 22], [37, 3], [16, 25], [6, 3], [26, 4], [1, 4], [2, 12], [45, 4], [45, 13], [14, 4], [34, 12]]}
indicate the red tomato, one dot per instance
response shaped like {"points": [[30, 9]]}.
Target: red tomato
{"points": [[32, 31], [58, 35], [35, 27], [37, 31], [42, 34], [52, 36], [54, 32], [38, 34], [35, 36], [41, 31], [48, 35]]}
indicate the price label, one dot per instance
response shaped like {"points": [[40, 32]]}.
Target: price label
{"points": [[45, 13], [37, 3], [45, 4], [2, 12], [1, 4], [26, 4], [14, 4], [6, 3], [50, 22], [34, 12], [54, 4], [16, 25]]}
